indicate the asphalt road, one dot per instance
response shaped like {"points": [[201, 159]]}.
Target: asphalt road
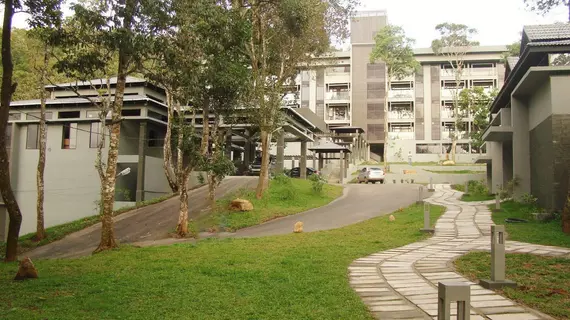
{"points": [[153, 222], [360, 202]]}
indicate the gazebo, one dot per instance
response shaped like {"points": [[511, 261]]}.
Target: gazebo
{"points": [[354, 139], [330, 150]]}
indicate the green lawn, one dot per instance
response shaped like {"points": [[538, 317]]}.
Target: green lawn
{"points": [[543, 282], [284, 197], [479, 194], [456, 171], [58, 232], [295, 276], [546, 233]]}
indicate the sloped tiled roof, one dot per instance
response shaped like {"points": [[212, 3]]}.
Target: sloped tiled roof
{"points": [[512, 61], [544, 32], [550, 43], [112, 80]]}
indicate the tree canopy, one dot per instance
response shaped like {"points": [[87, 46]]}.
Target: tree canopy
{"points": [[545, 6]]}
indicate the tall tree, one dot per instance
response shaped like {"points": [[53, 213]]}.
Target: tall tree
{"points": [[98, 32], [284, 35], [476, 101], [393, 48], [453, 43], [545, 6], [41, 13]]}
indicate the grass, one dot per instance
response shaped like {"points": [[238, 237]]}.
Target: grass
{"points": [[456, 171], [543, 282], [27, 242], [545, 233], [479, 191], [284, 197], [295, 276]]}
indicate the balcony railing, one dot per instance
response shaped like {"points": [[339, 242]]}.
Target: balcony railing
{"points": [[401, 114], [338, 96], [446, 135], [401, 94], [401, 135], [449, 94], [483, 72], [338, 117]]}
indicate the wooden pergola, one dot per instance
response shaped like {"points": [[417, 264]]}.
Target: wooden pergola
{"points": [[330, 150]]}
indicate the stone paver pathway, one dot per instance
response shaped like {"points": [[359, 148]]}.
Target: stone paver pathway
{"points": [[402, 283]]}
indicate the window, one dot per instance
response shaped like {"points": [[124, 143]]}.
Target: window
{"points": [[402, 85], [131, 113], [483, 83], [401, 127], [69, 115], [450, 84], [37, 115], [95, 114], [69, 136], [157, 116], [154, 140], [95, 134], [482, 65], [33, 135]]}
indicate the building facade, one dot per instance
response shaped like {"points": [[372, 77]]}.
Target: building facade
{"points": [[528, 139], [345, 89]]}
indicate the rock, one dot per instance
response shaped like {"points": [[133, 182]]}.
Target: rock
{"points": [[543, 216], [26, 270], [392, 218], [298, 227], [448, 163], [241, 205]]}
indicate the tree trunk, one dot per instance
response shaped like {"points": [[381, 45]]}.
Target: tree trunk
{"points": [[453, 146], [167, 149], [182, 227], [263, 182], [40, 227], [5, 98], [212, 183], [108, 187]]}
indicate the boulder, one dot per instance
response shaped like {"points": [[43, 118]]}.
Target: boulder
{"points": [[392, 218], [448, 163], [241, 205], [26, 270], [298, 228]]}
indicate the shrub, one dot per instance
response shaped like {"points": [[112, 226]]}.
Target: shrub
{"points": [[318, 183], [283, 188], [529, 199]]}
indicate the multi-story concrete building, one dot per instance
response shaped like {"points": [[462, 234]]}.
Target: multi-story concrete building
{"points": [[528, 139], [72, 185], [345, 89]]}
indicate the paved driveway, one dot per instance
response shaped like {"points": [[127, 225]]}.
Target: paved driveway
{"points": [[149, 223], [359, 203]]}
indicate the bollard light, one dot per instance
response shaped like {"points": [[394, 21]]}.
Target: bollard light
{"points": [[497, 261], [427, 223], [453, 291], [431, 189]]}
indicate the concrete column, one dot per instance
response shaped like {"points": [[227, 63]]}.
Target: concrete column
{"points": [[342, 167], [495, 149], [303, 161], [315, 160], [141, 162], [453, 291], [321, 161], [247, 149], [367, 152], [521, 147], [280, 161]]}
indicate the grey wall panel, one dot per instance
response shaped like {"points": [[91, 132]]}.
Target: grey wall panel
{"points": [[435, 103]]}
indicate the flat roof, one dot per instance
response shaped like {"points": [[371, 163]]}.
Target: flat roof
{"points": [[79, 100], [536, 76], [347, 129]]}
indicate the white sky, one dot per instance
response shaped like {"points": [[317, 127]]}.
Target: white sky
{"points": [[499, 22]]}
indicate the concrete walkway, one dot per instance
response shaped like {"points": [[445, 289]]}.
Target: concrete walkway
{"points": [[402, 283]]}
